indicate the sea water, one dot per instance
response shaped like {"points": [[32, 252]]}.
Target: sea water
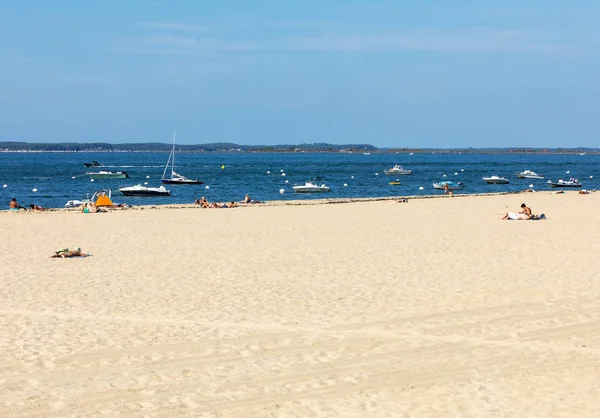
{"points": [[230, 176]]}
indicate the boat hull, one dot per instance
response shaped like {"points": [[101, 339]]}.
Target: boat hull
{"points": [[169, 181], [439, 186], [311, 190], [555, 184], [496, 181], [528, 176], [145, 193], [398, 173], [108, 176]]}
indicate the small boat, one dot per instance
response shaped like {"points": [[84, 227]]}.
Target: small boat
{"points": [[313, 186], [529, 174], [176, 178], [107, 174], [565, 183], [495, 180], [451, 185], [394, 183], [92, 164], [141, 190], [397, 170]]}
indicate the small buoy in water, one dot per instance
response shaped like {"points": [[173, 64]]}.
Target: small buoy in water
{"points": [[283, 174], [376, 174], [34, 190], [421, 188], [5, 185], [91, 179], [147, 177], [456, 174], [268, 172], [281, 171], [568, 172], [345, 184], [351, 177], [287, 181], [590, 177], [444, 175], [282, 191], [222, 167], [462, 169], [145, 182], [207, 187], [73, 177]]}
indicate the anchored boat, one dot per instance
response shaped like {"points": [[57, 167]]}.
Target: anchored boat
{"points": [[175, 178], [496, 180], [141, 190], [107, 174], [312, 186]]}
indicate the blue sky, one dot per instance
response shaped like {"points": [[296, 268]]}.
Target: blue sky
{"points": [[390, 73]]}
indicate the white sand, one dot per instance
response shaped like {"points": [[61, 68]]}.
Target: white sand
{"points": [[431, 308]]}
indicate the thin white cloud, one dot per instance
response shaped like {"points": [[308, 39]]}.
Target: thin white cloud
{"points": [[468, 41], [172, 26]]}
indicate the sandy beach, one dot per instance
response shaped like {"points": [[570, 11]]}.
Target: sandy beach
{"points": [[430, 308]]}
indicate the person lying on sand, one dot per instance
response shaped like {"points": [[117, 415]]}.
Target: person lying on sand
{"points": [[35, 207], [66, 253], [519, 216]]}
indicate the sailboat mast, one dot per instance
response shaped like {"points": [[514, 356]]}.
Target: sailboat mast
{"points": [[173, 162]]}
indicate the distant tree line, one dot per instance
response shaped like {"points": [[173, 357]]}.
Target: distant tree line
{"points": [[157, 147], [231, 147]]}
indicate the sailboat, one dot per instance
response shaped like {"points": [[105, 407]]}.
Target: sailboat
{"points": [[174, 177]]}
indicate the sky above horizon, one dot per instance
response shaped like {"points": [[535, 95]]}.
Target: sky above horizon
{"points": [[437, 74]]}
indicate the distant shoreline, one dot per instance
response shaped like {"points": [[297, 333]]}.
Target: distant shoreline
{"points": [[374, 152]]}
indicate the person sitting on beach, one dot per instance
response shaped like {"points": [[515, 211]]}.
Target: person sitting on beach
{"points": [[525, 210], [66, 253], [246, 199], [14, 205], [203, 202], [35, 207], [232, 204]]}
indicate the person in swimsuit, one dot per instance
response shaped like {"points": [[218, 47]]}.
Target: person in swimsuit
{"points": [[35, 207], [525, 210], [14, 205]]}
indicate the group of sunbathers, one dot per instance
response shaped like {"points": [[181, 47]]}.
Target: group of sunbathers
{"points": [[14, 205], [523, 215], [213, 205], [206, 204]]}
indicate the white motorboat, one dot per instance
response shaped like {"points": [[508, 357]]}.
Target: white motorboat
{"points": [[107, 174], [397, 170], [451, 185], [565, 183], [313, 186], [529, 174], [496, 180], [141, 190]]}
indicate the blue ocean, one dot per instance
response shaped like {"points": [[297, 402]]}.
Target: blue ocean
{"points": [[59, 177]]}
